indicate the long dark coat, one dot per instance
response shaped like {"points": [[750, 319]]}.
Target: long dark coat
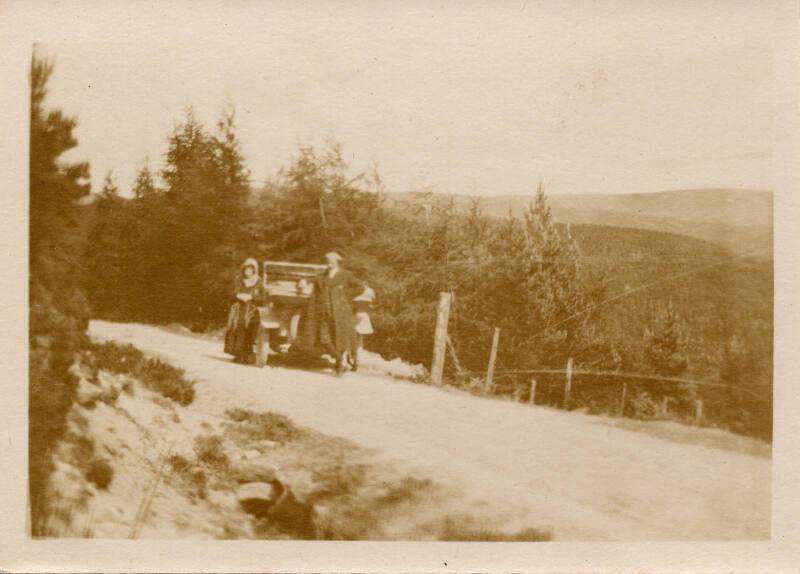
{"points": [[243, 320], [329, 322]]}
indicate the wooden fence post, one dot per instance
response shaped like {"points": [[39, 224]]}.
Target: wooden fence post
{"points": [[440, 338], [622, 400], [492, 358], [568, 385], [698, 412], [532, 397]]}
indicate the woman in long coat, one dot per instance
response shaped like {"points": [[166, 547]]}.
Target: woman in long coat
{"points": [[329, 323], [244, 318]]}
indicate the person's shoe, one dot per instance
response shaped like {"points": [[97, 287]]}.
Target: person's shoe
{"points": [[340, 369]]}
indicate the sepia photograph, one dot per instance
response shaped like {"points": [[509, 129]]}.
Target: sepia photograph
{"points": [[420, 272]]}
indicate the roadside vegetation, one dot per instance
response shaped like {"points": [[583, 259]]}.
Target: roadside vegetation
{"points": [[59, 311], [157, 375]]}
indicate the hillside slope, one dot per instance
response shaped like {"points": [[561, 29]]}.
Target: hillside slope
{"points": [[574, 475], [717, 294], [738, 219]]}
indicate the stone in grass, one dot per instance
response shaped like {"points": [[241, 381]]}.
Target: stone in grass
{"points": [[222, 498], [294, 516], [87, 394], [107, 380], [81, 370], [276, 503], [257, 497], [254, 470]]}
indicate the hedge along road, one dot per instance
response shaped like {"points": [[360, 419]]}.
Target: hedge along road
{"points": [[527, 467]]}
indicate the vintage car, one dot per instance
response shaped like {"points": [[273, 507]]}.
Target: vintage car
{"points": [[288, 287]]}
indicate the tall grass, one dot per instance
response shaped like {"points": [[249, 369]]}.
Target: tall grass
{"points": [[265, 426], [461, 530]]}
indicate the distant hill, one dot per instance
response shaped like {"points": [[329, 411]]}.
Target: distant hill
{"points": [[738, 219]]}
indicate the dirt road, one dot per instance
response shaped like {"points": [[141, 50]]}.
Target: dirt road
{"points": [[535, 467]]}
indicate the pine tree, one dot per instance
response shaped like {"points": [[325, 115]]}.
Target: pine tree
{"points": [[228, 149], [197, 228], [139, 250], [665, 342], [519, 275], [443, 254], [476, 226], [318, 205], [105, 258], [58, 309], [189, 160], [506, 288], [237, 219], [552, 312], [110, 191], [469, 267], [746, 403], [144, 186]]}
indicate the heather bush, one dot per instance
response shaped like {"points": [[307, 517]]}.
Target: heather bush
{"points": [[100, 473], [157, 375], [209, 451], [264, 426]]}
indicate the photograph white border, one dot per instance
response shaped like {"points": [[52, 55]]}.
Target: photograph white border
{"points": [[23, 23]]}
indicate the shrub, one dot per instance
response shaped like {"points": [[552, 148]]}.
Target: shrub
{"points": [[644, 406], [58, 311], [117, 358], [100, 473], [405, 490], [195, 478], [157, 375], [82, 448], [110, 397], [265, 426], [167, 380], [179, 463], [463, 531], [127, 387], [209, 451]]}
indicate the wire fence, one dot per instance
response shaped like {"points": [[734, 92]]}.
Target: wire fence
{"points": [[681, 390], [626, 394], [622, 375]]}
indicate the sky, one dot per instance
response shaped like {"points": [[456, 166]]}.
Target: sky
{"points": [[484, 98]]}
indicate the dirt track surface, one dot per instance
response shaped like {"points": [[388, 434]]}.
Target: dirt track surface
{"points": [[530, 466]]}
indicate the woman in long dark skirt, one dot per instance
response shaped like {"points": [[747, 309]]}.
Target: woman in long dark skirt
{"points": [[244, 318]]}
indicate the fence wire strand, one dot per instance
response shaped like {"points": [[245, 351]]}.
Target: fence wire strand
{"points": [[615, 374], [627, 292]]}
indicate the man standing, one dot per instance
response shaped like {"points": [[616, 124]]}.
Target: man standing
{"points": [[330, 322]]}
